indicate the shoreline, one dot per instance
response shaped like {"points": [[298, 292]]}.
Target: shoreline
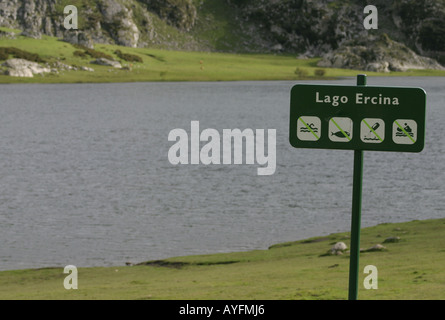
{"points": [[118, 81], [410, 266], [278, 244], [158, 65]]}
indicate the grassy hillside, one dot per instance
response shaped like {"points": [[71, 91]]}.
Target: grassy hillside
{"points": [[165, 65], [410, 268]]}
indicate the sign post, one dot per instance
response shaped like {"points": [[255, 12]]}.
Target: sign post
{"points": [[357, 118], [356, 214]]}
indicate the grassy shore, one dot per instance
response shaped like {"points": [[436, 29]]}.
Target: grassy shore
{"points": [[164, 65], [409, 268]]}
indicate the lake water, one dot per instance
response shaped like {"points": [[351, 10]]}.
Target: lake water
{"points": [[85, 178]]}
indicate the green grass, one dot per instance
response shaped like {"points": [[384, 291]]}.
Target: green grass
{"points": [[411, 268], [165, 65]]}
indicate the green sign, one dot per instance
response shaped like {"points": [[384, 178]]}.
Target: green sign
{"points": [[357, 117]]}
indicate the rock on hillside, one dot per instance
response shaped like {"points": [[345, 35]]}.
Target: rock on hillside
{"points": [[377, 53], [123, 22], [23, 68], [106, 62]]}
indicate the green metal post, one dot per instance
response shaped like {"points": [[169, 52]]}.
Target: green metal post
{"points": [[356, 214]]}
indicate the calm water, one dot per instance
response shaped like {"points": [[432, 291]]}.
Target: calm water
{"points": [[85, 178]]}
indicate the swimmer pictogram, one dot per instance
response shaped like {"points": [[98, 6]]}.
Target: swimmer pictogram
{"points": [[308, 128]]}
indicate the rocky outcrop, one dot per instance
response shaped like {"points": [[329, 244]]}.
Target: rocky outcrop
{"points": [[118, 20], [421, 25], [33, 17], [28, 69], [310, 27], [377, 53], [329, 27], [23, 68], [103, 21]]}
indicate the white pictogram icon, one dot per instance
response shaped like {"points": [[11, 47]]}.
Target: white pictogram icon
{"points": [[340, 129], [372, 130], [404, 131], [308, 128]]}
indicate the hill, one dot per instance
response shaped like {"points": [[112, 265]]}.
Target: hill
{"points": [[309, 28], [322, 34]]}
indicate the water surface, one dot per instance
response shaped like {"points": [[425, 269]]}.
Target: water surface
{"points": [[85, 178]]}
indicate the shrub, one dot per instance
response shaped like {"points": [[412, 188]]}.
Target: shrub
{"points": [[98, 54], [80, 54], [5, 52], [301, 73], [93, 53], [3, 55], [319, 72], [128, 57]]}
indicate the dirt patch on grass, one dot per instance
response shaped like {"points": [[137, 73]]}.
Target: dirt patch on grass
{"points": [[181, 264]]}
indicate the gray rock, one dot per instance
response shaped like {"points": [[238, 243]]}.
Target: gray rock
{"points": [[125, 32], [78, 37], [337, 249], [377, 247], [24, 73], [128, 35], [106, 62], [24, 68], [32, 34], [392, 240], [83, 68], [62, 66], [378, 66], [339, 246], [277, 47]]}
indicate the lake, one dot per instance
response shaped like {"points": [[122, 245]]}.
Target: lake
{"points": [[85, 178]]}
